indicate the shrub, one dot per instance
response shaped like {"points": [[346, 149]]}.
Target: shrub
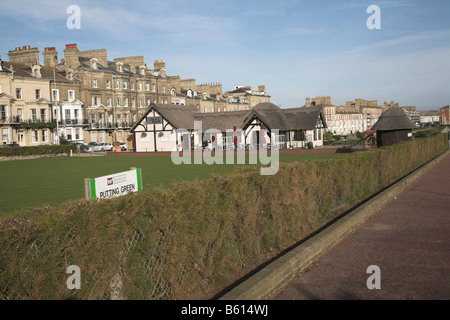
{"points": [[194, 240], [37, 150]]}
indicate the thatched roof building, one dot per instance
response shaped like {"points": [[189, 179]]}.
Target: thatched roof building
{"points": [[392, 127]]}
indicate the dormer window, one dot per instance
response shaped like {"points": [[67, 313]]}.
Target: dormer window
{"points": [[142, 70], [94, 62], [69, 74], [119, 67], [172, 92], [189, 93], [36, 71]]}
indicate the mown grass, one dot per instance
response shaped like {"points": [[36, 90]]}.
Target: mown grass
{"points": [[50, 181]]}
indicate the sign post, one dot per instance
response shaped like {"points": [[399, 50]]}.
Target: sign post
{"points": [[114, 185]]}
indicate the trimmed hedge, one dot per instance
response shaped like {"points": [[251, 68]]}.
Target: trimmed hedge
{"points": [[37, 150], [194, 240]]}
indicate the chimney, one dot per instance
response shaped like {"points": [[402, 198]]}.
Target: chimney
{"points": [[261, 88], [159, 65], [50, 57], [71, 56], [307, 102], [26, 55]]}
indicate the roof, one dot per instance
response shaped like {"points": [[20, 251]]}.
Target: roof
{"points": [[272, 116], [25, 71], [393, 119], [222, 121], [180, 116]]}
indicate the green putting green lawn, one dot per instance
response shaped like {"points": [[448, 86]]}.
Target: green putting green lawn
{"points": [[49, 181]]}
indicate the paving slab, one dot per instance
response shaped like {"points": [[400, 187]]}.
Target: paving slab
{"points": [[408, 239]]}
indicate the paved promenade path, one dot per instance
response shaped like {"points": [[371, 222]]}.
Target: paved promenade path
{"points": [[409, 240]]}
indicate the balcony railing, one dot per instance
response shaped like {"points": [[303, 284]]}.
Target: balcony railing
{"points": [[110, 125], [14, 119], [73, 122]]}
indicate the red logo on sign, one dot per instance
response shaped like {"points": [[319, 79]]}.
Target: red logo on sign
{"points": [[109, 181]]}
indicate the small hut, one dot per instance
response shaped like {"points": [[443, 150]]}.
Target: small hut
{"points": [[392, 127]]}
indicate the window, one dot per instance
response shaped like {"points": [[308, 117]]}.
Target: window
{"points": [[132, 85], [133, 103], [71, 95], [5, 136], [299, 135], [125, 102], [44, 135], [163, 89], [117, 84], [148, 102], [55, 94], [109, 100], [108, 84], [34, 136], [147, 87], [1, 90], [3, 113], [141, 103], [75, 114], [19, 114], [94, 83], [125, 85], [37, 93], [94, 137], [140, 86], [93, 118], [33, 114], [67, 114], [101, 118], [118, 102], [77, 134], [95, 101], [153, 87], [18, 93], [102, 137]]}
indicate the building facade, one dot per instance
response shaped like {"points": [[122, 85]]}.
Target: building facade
{"points": [[444, 115]]}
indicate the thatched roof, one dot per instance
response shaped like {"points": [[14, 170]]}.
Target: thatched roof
{"points": [[393, 119], [222, 121], [272, 116]]}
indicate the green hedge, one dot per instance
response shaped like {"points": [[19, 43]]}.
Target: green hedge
{"points": [[37, 150], [194, 240]]}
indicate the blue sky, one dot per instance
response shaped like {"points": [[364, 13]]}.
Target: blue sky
{"points": [[297, 49]]}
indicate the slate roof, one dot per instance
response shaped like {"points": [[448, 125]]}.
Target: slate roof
{"points": [[393, 119], [24, 71]]}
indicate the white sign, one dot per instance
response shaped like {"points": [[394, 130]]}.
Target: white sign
{"points": [[114, 185]]}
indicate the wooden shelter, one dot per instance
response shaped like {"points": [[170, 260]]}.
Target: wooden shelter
{"points": [[392, 127]]}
